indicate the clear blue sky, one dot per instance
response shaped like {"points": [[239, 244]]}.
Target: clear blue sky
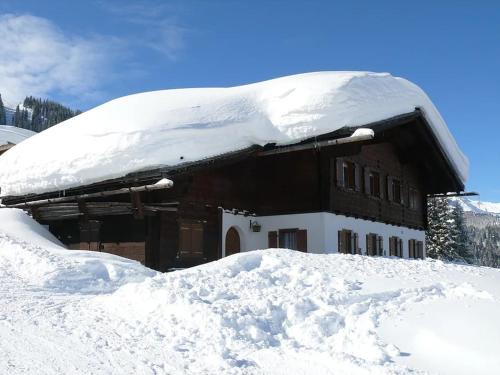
{"points": [[113, 48]]}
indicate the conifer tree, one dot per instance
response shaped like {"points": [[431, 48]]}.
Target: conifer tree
{"points": [[438, 236], [460, 237], [3, 117]]}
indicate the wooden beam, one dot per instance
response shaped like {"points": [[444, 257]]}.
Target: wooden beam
{"points": [[137, 205], [316, 145], [457, 194]]}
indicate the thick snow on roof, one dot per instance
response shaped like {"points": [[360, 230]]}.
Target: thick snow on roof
{"points": [[170, 127], [13, 134]]}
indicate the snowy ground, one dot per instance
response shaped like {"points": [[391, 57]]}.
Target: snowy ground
{"points": [[263, 312]]}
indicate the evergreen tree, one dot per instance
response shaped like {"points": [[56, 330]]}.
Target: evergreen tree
{"points": [[438, 236], [3, 117], [37, 114], [459, 234]]}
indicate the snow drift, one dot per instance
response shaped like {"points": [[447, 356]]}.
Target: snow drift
{"points": [[263, 312], [166, 128], [30, 252]]}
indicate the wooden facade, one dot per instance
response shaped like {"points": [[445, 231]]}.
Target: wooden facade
{"points": [[385, 179]]}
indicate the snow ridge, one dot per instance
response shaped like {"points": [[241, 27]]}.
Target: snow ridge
{"points": [[170, 127]]}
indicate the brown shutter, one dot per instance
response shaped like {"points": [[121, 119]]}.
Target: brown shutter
{"points": [[272, 239], [420, 249], [302, 240], [400, 247], [340, 172], [355, 249], [339, 249], [380, 246], [357, 176]]}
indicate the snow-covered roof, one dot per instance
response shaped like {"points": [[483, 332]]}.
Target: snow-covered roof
{"points": [[13, 134], [170, 127]]}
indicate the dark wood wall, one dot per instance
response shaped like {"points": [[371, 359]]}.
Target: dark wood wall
{"points": [[383, 159], [284, 183]]}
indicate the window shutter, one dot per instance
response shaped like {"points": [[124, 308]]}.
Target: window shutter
{"points": [[380, 246], [357, 176], [404, 195], [302, 240], [420, 249], [367, 181], [355, 249], [382, 191], [389, 188], [340, 247], [400, 248], [272, 239], [340, 172]]}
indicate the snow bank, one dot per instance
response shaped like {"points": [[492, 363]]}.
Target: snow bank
{"points": [[263, 312], [166, 128], [13, 134], [30, 252]]}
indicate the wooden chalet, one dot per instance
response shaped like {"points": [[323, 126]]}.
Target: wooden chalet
{"points": [[362, 195]]}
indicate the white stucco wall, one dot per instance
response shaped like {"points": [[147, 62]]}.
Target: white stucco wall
{"points": [[322, 228]]}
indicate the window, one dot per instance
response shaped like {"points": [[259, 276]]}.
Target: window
{"points": [[288, 239], [396, 190], [416, 249], [374, 244], [374, 184], [396, 247], [349, 174], [380, 245], [371, 244], [348, 242], [190, 239], [412, 249], [293, 239], [413, 198]]}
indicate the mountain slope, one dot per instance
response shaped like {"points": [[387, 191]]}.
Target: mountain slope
{"points": [[478, 207]]}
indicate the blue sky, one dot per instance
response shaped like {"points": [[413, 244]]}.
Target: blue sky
{"points": [[83, 53]]}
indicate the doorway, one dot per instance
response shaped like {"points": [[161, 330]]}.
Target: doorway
{"points": [[233, 245]]}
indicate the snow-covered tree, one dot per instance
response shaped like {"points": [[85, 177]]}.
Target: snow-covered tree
{"points": [[447, 236], [459, 234], [3, 117], [438, 236]]}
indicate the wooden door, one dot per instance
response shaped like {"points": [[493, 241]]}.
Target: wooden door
{"points": [[232, 242]]}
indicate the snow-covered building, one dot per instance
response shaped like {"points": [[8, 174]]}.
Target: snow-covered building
{"points": [[319, 162], [11, 135]]}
